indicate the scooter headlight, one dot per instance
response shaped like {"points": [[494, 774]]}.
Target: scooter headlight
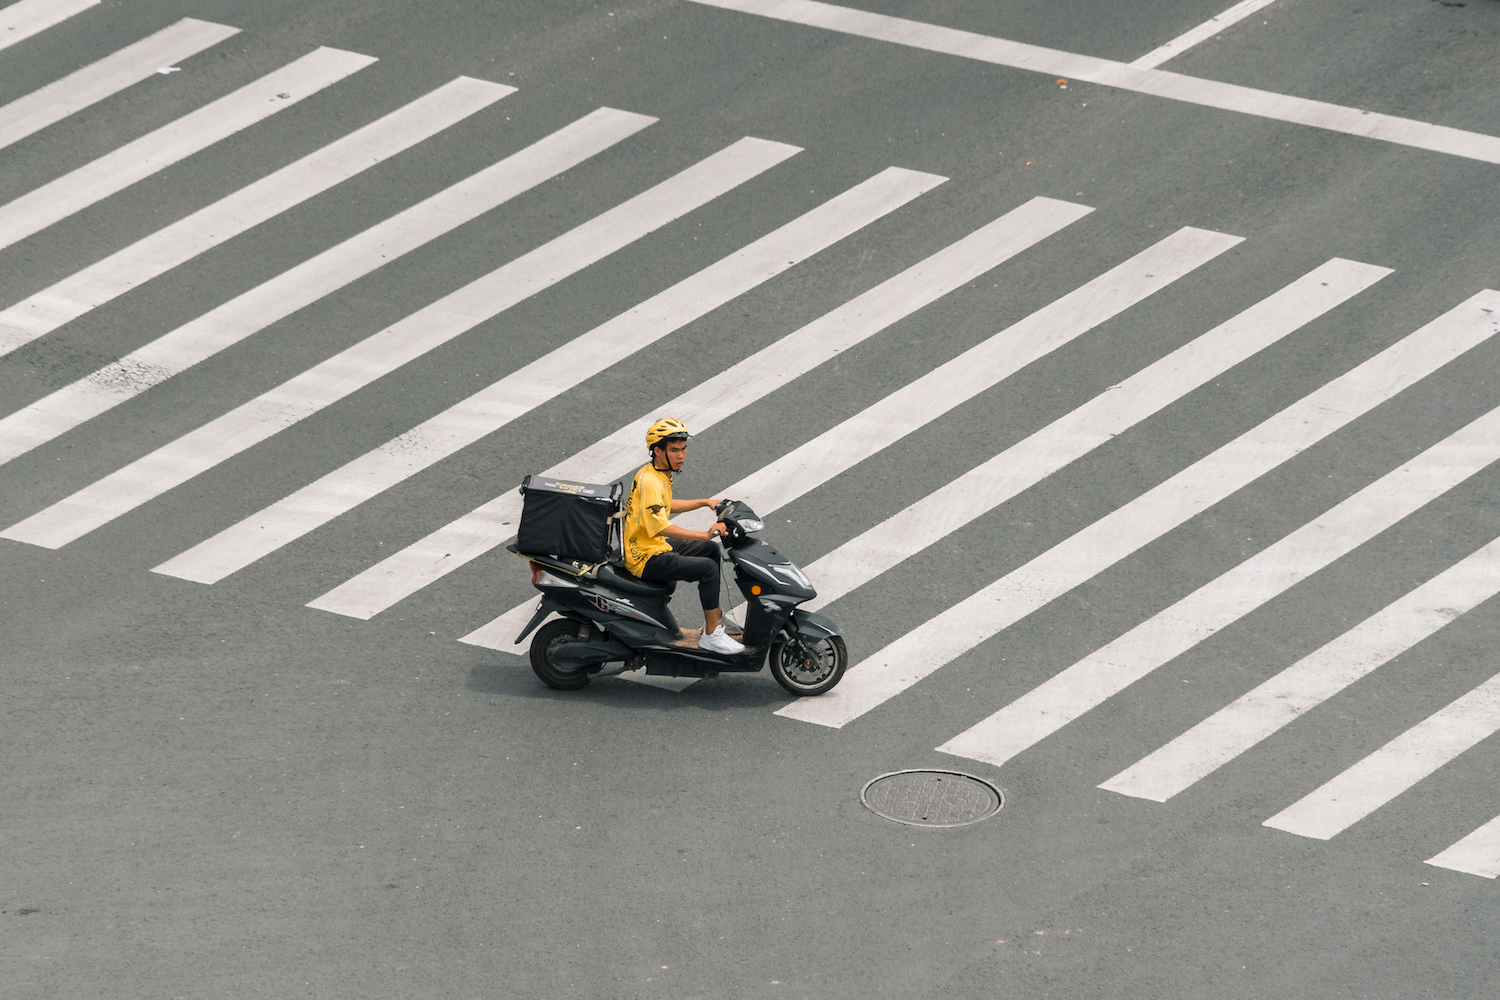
{"points": [[791, 573], [751, 525]]}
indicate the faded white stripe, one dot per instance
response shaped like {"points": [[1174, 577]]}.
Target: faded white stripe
{"points": [[45, 311], [110, 75], [309, 281]]}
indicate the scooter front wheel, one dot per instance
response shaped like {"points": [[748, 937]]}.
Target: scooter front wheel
{"points": [[808, 666], [548, 640]]}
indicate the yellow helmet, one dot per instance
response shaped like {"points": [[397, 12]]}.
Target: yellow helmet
{"points": [[667, 428]]}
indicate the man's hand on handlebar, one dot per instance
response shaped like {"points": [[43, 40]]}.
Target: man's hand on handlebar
{"points": [[718, 529]]}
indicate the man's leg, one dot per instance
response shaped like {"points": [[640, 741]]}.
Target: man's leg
{"points": [[691, 560]]}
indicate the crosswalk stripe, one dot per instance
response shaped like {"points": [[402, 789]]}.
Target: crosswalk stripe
{"points": [[1107, 72], [1107, 671], [110, 75], [381, 353], [28, 17], [241, 544], [1355, 793], [1477, 854], [309, 281], [747, 381], [532, 385], [1070, 437], [1312, 680], [976, 370], [153, 255], [1113, 537], [1201, 33], [115, 171]]}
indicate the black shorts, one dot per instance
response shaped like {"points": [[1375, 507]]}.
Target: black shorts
{"points": [[690, 559]]}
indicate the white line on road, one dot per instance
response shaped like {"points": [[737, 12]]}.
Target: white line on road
{"points": [[113, 172], [482, 299], [27, 18], [751, 379], [1201, 33], [48, 309], [1477, 854], [309, 281], [110, 75], [1156, 82], [565, 367], [976, 370], [1028, 462], [1312, 680], [1109, 670], [1116, 535], [1395, 767]]}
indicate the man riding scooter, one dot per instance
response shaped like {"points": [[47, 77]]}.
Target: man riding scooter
{"points": [[660, 551]]}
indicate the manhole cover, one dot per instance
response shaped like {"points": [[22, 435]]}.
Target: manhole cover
{"points": [[931, 798]]}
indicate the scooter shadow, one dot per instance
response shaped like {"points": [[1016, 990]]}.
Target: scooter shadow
{"points": [[512, 677]]}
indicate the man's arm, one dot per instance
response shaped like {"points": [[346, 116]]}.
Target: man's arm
{"points": [[681, 506], [688, 534]]}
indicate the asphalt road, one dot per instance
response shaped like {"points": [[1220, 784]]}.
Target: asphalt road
{"points": [[218, 791]]}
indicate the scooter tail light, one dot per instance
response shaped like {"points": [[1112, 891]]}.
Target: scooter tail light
{"points": [[536, 573]]}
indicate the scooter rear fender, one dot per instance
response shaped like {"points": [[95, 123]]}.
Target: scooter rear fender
{"points": [[544, 609]]}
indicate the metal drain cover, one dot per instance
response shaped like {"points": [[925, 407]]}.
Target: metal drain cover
{"points": [[928, 797]]}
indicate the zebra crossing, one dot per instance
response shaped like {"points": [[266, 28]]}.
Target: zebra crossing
{"points": [[879, 680]]}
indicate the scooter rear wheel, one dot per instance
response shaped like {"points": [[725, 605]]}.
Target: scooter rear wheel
{"points": [[548, 640], [808, 666]]}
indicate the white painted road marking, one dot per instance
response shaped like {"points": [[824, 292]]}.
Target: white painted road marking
{"points": [[1312, 680], [1113, 537], [110, 75], [488, 526], [482, 299], [155, 151], [1028, 462], [309, 281], [567, 366], [976, 370], [1201, 33], [48, 309], [1395, 767], [781, 362], [1156, 82], [1109, 670], [27, 18], [1477, 854]]}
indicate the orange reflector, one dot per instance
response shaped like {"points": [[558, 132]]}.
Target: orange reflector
{"points": [[755, 589]]}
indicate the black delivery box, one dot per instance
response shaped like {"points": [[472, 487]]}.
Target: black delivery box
{"points": [[568, 521]]}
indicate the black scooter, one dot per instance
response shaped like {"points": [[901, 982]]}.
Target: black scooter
{"points": [[613, 622]]}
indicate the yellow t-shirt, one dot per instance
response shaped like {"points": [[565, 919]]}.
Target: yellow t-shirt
{"points": [[648, 510]]}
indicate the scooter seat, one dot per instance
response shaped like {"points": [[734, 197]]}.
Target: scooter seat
{"points": [[616, 576]]}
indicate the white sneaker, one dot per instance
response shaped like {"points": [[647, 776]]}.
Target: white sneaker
{"points": [[718, 641]]}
